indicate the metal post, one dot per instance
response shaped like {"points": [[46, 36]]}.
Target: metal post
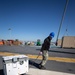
{"points": [[62, 19]]}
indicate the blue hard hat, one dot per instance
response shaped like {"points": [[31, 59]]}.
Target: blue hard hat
{"points": [[52, 34]]}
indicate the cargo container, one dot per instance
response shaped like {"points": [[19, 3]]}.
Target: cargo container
{"points": [[1, 43], [68, 42], [59, 42]]}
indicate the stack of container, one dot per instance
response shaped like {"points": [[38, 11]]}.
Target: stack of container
{"points": [[1, 43]]}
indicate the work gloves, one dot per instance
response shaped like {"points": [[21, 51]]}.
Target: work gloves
{"points": [[40, 53]]}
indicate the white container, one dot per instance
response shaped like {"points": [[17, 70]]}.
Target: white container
{"points": [[15, 65]]}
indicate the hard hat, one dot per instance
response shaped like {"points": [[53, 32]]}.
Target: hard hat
{"points": [[52, 34]]}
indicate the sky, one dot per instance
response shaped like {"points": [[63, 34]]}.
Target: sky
{"points": [[30, 20]]}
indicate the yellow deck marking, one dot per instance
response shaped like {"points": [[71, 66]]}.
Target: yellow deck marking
{"points": [[60, 59], [7, 54], [72, 60]]}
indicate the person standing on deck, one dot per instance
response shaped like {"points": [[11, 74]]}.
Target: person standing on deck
{"points": [[44, 50]]}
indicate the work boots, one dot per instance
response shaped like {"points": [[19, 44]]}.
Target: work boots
{"points": [[41, 67]]}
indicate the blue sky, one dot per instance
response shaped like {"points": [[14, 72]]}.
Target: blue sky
{"points": [[35, 19]]}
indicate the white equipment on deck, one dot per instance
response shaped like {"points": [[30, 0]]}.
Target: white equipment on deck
{"points": [[15, 65]]}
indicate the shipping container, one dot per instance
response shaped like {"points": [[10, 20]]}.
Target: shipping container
{"points": [[68, 42], [1, 43], [59, 42]]}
